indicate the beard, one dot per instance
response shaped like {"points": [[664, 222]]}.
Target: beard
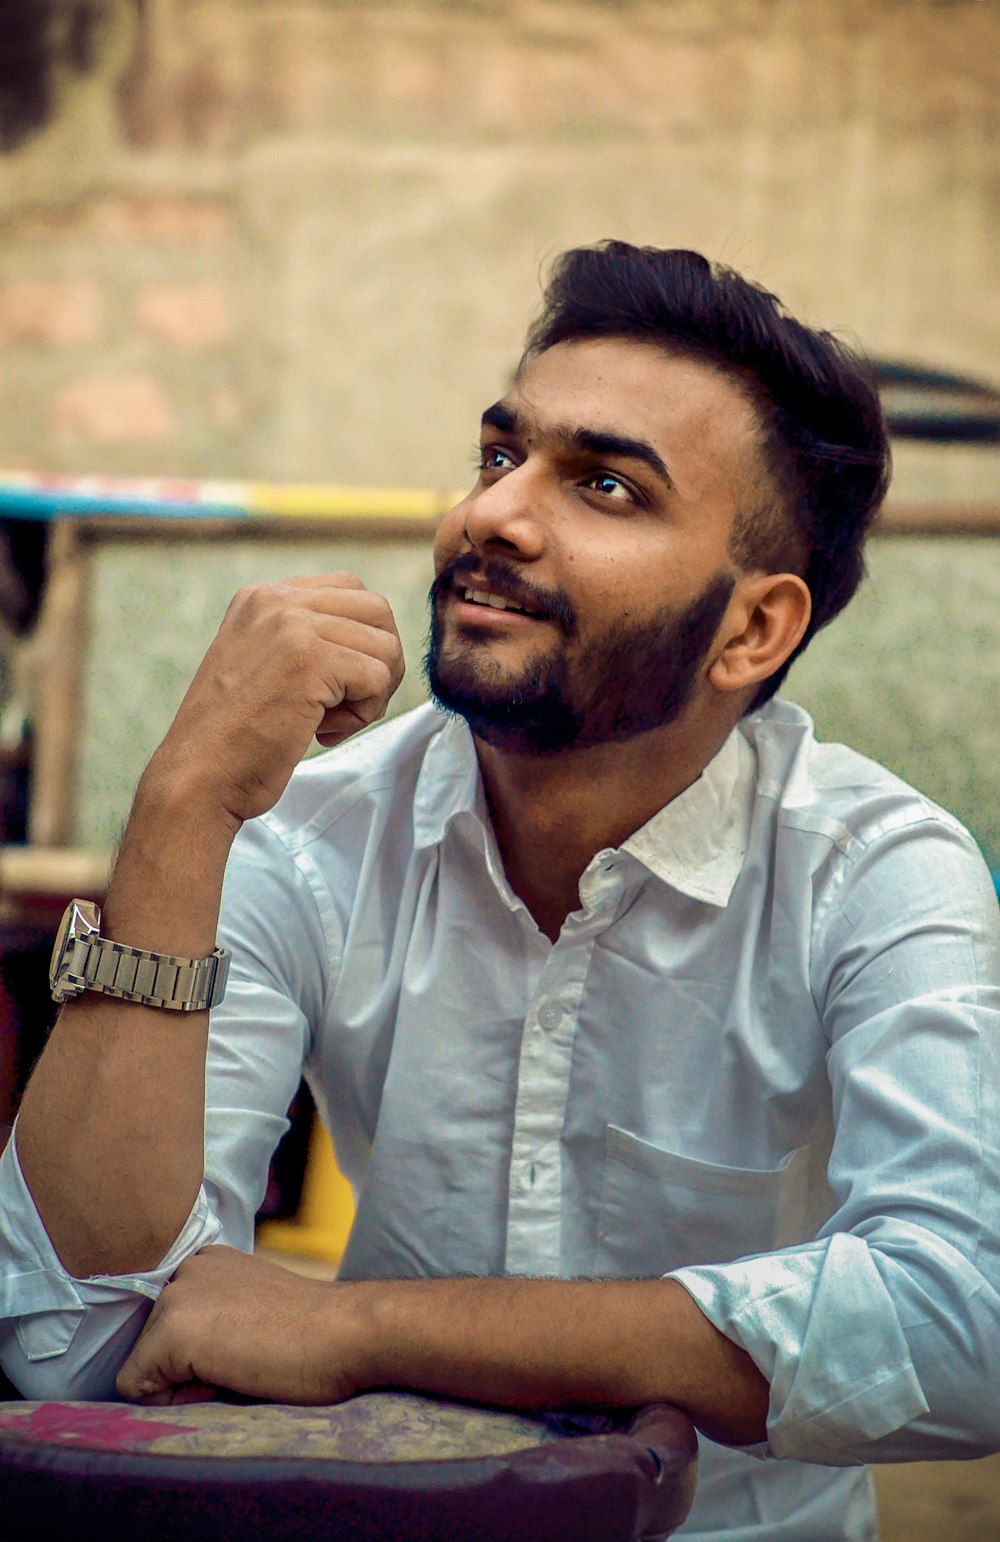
{"points": [[636, 677]]}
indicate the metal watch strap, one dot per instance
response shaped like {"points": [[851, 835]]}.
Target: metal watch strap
{"points": [[155, 979]]}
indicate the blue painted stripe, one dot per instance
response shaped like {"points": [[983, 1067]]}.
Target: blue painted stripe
{"points": [[25, 503]]}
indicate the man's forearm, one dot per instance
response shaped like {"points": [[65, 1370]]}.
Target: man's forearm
{"points": [[544, 1343], [111, 1132], [239, 1322]]}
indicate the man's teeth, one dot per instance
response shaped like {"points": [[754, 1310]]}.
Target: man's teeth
{"points": [[480, 597]]}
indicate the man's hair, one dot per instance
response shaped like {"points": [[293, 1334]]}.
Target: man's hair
{"points": [[823, 440]]}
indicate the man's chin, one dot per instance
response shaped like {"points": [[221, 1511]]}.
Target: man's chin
{"points": [[471, 699], [476, 676], [509, 715]]}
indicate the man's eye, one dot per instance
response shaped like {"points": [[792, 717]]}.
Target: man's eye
{"points": [[492, 457], [611, 486]]}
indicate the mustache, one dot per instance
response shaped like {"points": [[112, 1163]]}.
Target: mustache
{"points": [[505, 579]]}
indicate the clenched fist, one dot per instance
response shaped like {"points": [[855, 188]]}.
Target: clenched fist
{"points": [[311, 656], [248, 1325]]}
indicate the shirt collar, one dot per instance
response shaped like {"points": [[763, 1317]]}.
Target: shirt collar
{"points": [[449, 783], [697, 843]]}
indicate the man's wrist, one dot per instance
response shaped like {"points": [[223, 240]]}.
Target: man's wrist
{"points": [[369, 1308], [183, 796], [167, 881]]}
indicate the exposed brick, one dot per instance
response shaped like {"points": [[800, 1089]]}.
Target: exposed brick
{"points": [[114, 409], [185, 221], [190, 316], [175, 221], [61, 313]]}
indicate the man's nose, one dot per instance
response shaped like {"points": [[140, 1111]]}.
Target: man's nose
{"points": [[510, 512]]}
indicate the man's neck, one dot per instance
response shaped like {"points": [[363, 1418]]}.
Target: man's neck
{"points": [[552, 814]]}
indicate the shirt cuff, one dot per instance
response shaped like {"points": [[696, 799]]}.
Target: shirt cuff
{"points": [[821, 1327]]}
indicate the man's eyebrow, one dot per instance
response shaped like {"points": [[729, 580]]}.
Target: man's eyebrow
{"points": [[619, 444], [594, 442], [501, 417]]}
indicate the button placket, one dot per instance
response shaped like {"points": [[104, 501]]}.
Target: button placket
{"points": [[535, 1187]]}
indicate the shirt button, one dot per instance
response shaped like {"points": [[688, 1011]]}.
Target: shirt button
{"points": [[550, 1017]]}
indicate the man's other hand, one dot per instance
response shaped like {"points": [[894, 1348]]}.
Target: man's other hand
{"points": [[230, 1321], [311, 656]]}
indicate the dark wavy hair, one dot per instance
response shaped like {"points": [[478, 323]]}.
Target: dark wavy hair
{"points": [[822, 437]]}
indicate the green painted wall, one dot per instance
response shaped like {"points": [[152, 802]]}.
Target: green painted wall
{"points": [[907, 675], [153, 609]]}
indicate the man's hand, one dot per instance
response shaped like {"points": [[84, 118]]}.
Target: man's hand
{"points": [[311, 656], [227, 1320]]}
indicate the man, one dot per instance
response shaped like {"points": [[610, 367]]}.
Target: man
{"points": [[611, 975]]}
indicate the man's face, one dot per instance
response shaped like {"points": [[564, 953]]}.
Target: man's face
{"points": [[581, 584]]}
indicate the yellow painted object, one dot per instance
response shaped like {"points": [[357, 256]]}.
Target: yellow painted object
{"points": [[303, 500], [326, 1209], [52, 495]]}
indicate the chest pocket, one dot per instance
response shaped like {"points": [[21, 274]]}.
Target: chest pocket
{"points": [[660, 1211]]}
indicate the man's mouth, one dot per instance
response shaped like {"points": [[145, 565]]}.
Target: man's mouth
{"points": [[496, 589], [494, 601]]}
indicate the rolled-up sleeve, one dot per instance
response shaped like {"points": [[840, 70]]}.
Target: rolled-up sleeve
{"points": [[66, 1337], [881, 1337]]}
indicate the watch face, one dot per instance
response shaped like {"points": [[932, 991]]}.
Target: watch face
{"points": [[81, 922]]}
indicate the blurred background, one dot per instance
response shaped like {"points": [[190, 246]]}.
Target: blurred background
{"points": [[297, 241]]}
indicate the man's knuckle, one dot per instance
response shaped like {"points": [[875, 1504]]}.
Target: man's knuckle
{"points": [[251, 598], [383, 673], [382, 610]]}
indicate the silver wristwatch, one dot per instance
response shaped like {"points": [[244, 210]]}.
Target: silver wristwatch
{"points": [[83, 960]]}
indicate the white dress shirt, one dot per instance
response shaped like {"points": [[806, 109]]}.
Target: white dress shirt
{"points": [[763, 1053]]}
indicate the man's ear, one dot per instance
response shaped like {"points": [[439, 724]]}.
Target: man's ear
{"points": [[764, 623]]}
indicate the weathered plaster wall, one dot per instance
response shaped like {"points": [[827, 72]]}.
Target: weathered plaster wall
{"points": [[301, 240]]}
